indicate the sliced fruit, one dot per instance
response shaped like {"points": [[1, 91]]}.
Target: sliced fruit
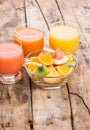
{"points": [[41, 71], [35, 59], [51, 76], [70, 63], [59, 54], [46, 59], [61, 61], [70, 58], [47, 50], [64, 70], [32, 65], [53, 54]]}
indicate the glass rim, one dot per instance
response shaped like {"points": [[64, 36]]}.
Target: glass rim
{"points": [[28, 58], [26, 25], [10, 40], [65, 23]]}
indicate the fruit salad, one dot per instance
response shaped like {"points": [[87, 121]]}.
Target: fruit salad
{"points": [[52, 65]]}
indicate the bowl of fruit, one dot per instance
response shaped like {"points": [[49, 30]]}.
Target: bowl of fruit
{"points": [[50, 69]]}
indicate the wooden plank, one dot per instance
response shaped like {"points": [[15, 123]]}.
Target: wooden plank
{"points": [[83, 84], [79, 85], [14, 105], [14, 113], [51, 109], [34, 20], [66, 9], [82, 14], [81, 18], [88, 3], [13, 15]]}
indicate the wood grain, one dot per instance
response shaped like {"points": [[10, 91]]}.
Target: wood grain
{"points": [[36, 19], [88, 4], [79, 85], [51, 109], [14, 105], [67, 108], [14, 114]]}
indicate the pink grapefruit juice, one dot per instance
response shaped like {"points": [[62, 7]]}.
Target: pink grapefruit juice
{"points": [[11, 58]]}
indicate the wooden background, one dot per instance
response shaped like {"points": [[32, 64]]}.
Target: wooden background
{"points": [[25, 107]]}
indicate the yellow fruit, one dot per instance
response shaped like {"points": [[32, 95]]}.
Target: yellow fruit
{"points": [[35, 59], [70, 58], [51, 76], [32, 65], [46, 59], [64, 70]]}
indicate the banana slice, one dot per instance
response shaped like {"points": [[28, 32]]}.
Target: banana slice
{"points": [[61, 61], [52, 76]]}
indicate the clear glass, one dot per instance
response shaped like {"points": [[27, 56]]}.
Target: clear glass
{"points": [[32, 38], [11, 61], [64, 36], [55, 82]]}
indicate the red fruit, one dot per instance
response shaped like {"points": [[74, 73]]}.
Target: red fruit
{"points": [[59, 54], [53, 54]]}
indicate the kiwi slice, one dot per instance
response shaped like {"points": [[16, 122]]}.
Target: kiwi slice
{"points": [[41, 70], [70, 63]]}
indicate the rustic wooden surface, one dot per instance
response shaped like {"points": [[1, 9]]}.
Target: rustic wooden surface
{"points": [[14, 112], [25, 107]]}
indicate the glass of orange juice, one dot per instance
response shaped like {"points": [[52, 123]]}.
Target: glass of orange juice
{"points": [[11, 61], [64, 36], [32, 38]]}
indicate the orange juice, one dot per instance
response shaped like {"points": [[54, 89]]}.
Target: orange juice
{"points": [[32, 39], [64, 37], [11, 58]]}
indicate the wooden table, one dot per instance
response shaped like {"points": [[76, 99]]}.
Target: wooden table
{"points": [[25, 107]]}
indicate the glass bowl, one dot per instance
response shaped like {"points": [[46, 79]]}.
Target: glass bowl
{"points": [[46, 81]]}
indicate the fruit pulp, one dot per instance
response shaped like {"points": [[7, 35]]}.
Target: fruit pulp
{"points": [[11, 58], [32, 39], [64, 37]]}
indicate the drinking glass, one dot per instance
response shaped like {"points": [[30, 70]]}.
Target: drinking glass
{"points": [[64, 36], [11, 61], [32, 38]]}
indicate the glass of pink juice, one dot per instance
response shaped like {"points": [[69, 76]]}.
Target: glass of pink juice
{"points": [[11, 61]]}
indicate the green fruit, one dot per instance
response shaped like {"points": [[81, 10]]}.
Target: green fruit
{"points": [[41, 71], [70, 63]]}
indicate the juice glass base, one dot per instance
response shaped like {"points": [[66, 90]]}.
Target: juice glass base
{"points": [[10, 79]]}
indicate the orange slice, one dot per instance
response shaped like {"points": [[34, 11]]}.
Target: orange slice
{"points": [[46, 59], [63, 70], [35, 59], [32, 65]]}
